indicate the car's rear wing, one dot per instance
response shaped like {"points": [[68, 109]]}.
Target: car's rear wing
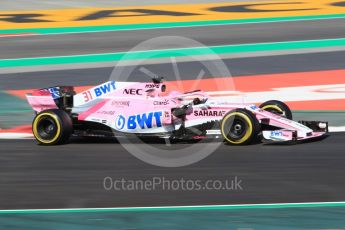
{"points": [[51, 98]]}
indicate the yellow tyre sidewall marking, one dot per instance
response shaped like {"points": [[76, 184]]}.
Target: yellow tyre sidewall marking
{"points": [[249, 131], [35, 131], [276, 107]]}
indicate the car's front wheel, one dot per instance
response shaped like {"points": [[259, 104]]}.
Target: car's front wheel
{"points": [[52, 127], [277, 107], [240, 127]]}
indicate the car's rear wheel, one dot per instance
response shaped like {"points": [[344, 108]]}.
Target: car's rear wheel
{"points": [[240, 127], [52, 127], [277, 107]]}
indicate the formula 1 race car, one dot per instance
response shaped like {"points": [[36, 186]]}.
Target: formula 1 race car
{"points": [[146, 109]]}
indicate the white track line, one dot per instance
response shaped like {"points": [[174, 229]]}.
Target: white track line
{"points": [[181, 208], [15, 135], [335, 129]]}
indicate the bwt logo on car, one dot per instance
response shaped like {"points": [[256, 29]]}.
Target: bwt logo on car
{"points": [[278, 134], [105, 88], [120, 122], [54, 91], [142, 121]]}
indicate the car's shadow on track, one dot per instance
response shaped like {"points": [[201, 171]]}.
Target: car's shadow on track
{"points": [[160, 141], [143, 140], [93, 140], [134, 140]]}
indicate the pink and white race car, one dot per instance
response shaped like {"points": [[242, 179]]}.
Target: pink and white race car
{"points": [[145, 109]]}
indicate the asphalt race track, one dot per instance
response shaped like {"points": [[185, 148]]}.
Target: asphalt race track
{"points": [[72, 175], [118, 41], [238, 67], [107, 42], [67, 176]]}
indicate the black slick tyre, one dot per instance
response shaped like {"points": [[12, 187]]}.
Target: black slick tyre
{"points": [[240, 127], [52, 127]]}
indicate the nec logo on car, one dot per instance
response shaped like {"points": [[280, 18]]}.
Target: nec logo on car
{"points": [[105, 88], [141, 121], [133, 91]]}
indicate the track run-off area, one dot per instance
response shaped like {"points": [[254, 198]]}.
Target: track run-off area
{"points": [[286, 50]]}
